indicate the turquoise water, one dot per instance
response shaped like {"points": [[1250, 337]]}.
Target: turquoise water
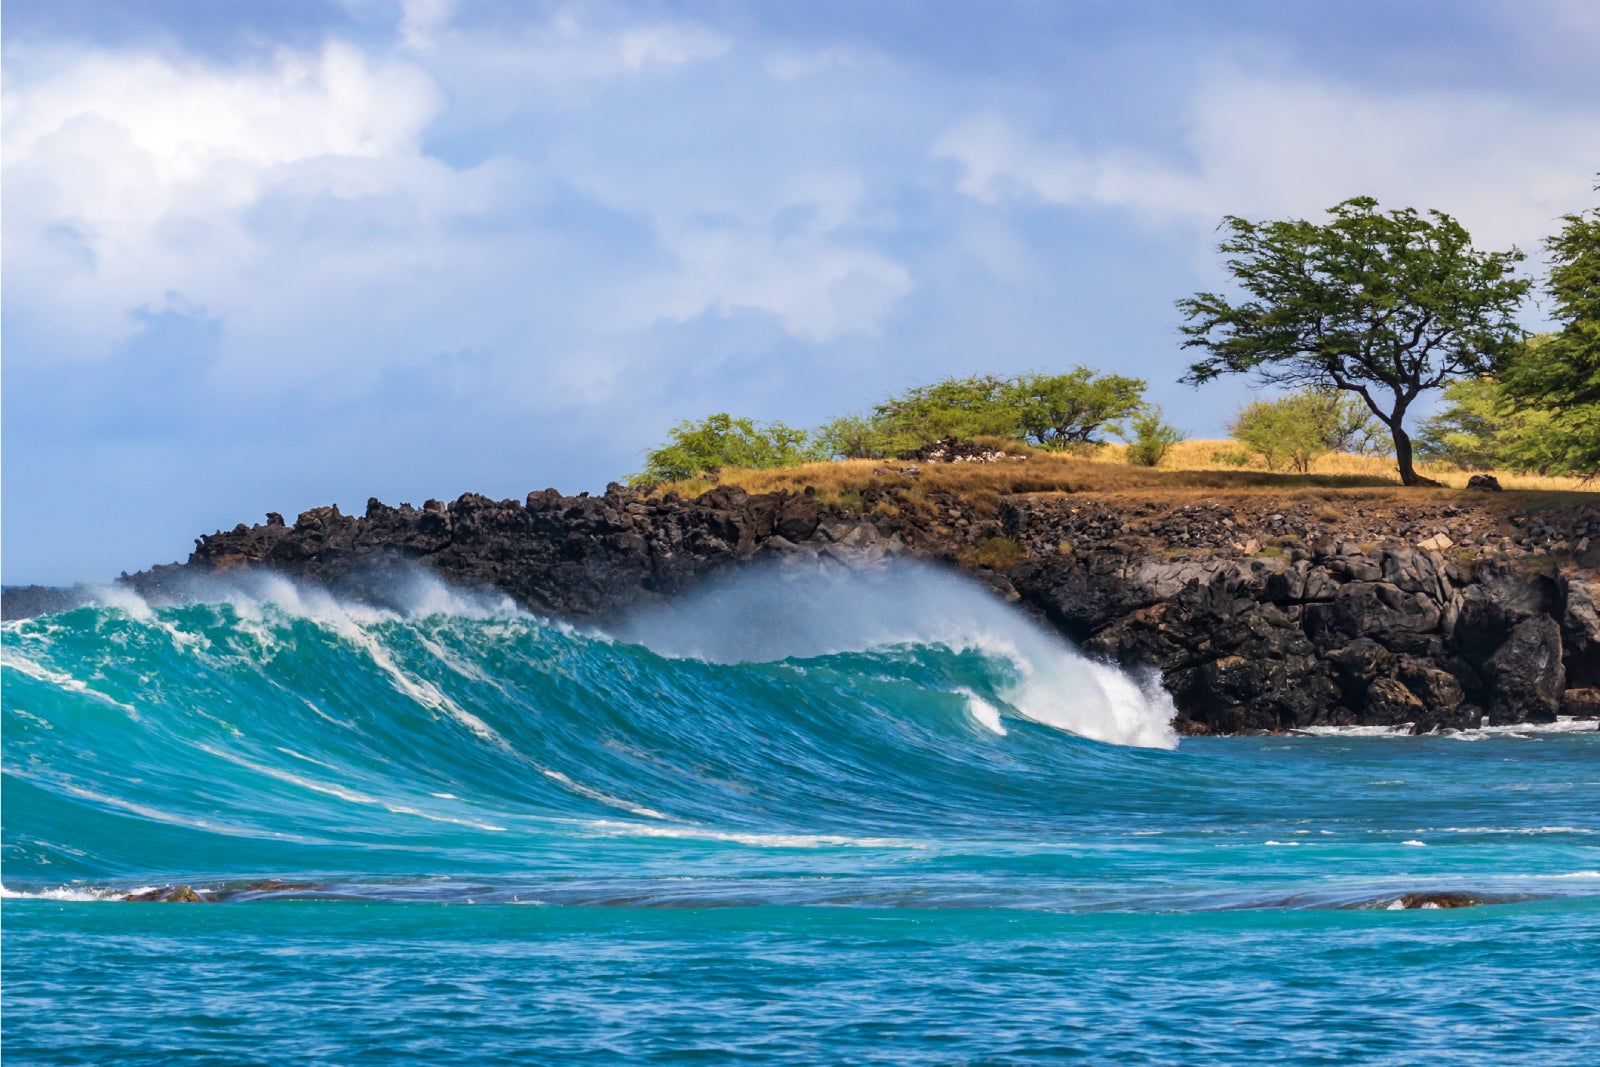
{"points": [[501, 841]]}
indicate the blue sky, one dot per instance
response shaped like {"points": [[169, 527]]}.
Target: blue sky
{"points": [[270, 256]]}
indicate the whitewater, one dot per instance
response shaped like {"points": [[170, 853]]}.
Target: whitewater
{"points": [[875, 818]]}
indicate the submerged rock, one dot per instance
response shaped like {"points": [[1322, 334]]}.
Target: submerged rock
{"points": [[1413, 901], [172, 894]]}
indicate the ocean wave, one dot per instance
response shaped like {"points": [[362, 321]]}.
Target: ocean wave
{"points": [[271, 711]]}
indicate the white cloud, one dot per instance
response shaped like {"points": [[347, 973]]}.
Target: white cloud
{"points": [[790, 65], [422, 20], [1266, 148], [816, 289], [296, 196], [564, 59], [131, 175]]}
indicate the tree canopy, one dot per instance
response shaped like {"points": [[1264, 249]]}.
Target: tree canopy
{"points": [[1049, 410], [1559, 375], [1056, 410], [699, 448], [1385, 305], [1479, 429], [955, 407], [1294, 430]]}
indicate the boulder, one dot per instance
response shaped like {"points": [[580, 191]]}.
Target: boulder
{"points": [[1439, 690], [1525, 675], [1486, 483], [1380, 610], [1581, 703], [170, 894], [1390, 703]]}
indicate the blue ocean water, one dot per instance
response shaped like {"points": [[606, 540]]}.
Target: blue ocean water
{"points": [[813, 823]]}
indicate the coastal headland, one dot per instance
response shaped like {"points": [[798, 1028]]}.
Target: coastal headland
{"points": [[1262, 606]]}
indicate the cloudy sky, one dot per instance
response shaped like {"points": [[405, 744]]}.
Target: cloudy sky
{"points": [[265, 256]]}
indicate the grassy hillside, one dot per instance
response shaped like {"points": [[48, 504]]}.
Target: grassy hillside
{"points": [[1192, 468]]}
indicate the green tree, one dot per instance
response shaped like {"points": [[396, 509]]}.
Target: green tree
{"points": [[1152, 438], [1483, 427], [696, 449], [1057, 410], [955, 407], [1470, 430], [1383, 305], [1294, 430], [1560, 375], [850, 437], [1274, 431]]}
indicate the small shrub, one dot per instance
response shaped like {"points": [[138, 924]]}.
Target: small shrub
{"points": [[1152, 438], [1230, 459]]}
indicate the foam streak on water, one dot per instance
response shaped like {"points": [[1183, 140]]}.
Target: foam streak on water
{"points": [[882, 819]]}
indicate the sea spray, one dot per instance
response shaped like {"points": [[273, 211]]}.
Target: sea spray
{"points": [[783, 613]]}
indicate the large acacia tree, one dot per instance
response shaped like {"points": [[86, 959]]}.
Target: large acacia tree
{"points": [[1386, 305]]}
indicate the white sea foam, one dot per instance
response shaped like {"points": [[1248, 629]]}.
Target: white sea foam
{"points": [[595, 794], [769, 614], [259, 597], [758, 840], [333, 789], [1563, 725], [1514, 830], [1403, 730], [983, 713], [59, 679], [70, 893]]}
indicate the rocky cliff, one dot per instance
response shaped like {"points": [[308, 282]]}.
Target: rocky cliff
{"points": [[1260, 610]]}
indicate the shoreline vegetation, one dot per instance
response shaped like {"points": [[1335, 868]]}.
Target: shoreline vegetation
{"points": [[1353, 320], [1191, 466]]}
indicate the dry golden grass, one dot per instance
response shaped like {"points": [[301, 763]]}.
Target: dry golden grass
{"points": [[1207, 456], [1189, 470]]}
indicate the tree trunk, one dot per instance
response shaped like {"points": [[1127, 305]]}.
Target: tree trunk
{"points": [[1402, 455]]}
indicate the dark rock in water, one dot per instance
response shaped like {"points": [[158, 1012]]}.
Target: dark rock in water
{"points": [[1581, 703], [275, 885], [1438, 900], [1390, 703], [172, 894], [1487, 483], [1525, 674]]}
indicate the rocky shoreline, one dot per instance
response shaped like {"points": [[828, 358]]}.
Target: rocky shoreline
{"points": [[1261, 611]]}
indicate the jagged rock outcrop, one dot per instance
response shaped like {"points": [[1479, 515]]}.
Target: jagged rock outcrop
{"points": [[572, 557], [1328, 631]]}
